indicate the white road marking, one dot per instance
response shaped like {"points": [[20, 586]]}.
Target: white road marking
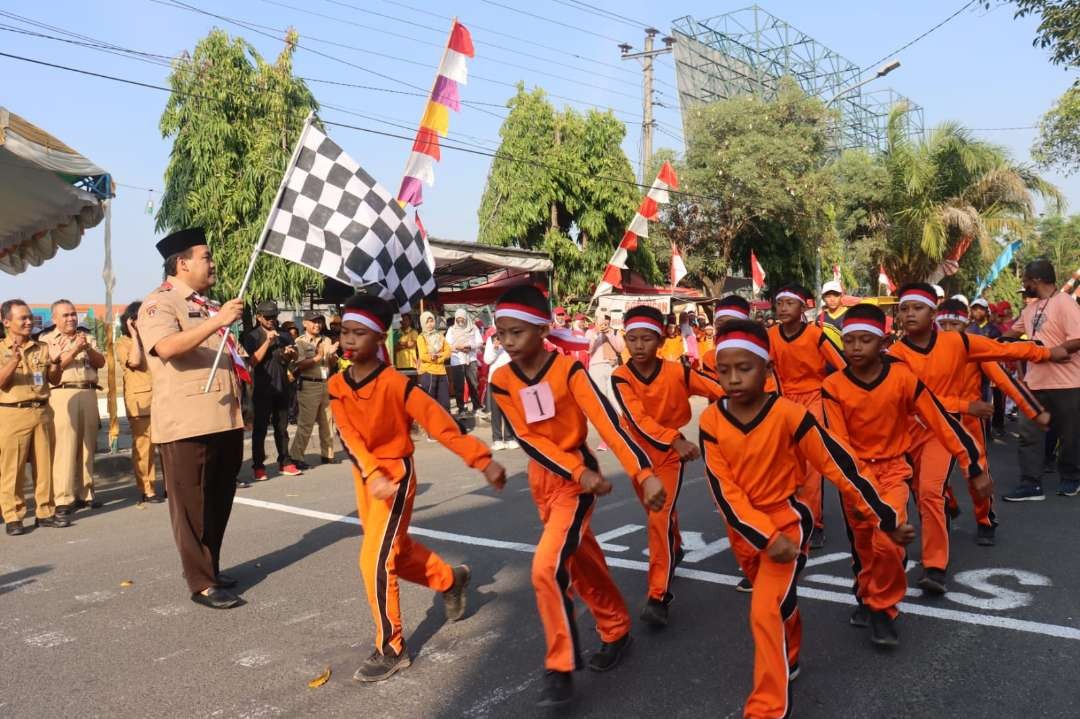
{"points": [[827, 558], [302, 618], [95, 597], [698, 550], [1000, 598], [1020, 625], [47, 640], [614, 533], [253, 658], [496, 697]]}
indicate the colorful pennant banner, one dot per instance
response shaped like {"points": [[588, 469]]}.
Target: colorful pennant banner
{"points": [[445, 96], [639, 227]]}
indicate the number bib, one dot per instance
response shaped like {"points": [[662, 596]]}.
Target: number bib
{"points": [[538, 402]]}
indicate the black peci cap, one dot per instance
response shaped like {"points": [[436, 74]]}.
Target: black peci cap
{"points": [[180, 241], [267, 308]]}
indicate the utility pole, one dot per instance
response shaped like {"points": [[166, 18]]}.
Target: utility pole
{"points": [[646, 58]]}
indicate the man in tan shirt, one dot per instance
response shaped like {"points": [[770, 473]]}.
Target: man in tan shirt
{"points": [[316, 360], [200, 435], [26, 370], [75, 409]]}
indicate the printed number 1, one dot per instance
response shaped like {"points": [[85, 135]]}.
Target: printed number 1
{"points": [[539, 404]]}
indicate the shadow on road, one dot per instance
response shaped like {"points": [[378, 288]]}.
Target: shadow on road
{"points": [[21, 577]]}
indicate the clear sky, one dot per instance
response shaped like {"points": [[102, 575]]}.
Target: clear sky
{"points": [[979, 69]]}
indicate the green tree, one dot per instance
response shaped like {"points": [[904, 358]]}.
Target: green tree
{"points": [[754, 169], [1059, 28], [234, 120], [949, 188], [558, 175]]}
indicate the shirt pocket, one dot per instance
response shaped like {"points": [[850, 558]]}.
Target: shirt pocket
{"points": [[197, 386]]}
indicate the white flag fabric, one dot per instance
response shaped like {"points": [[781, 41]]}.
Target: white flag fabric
{"points": [[336, 219]]}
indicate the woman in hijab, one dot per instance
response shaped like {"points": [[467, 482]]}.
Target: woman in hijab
{"points": [[465, 341], [433, 353]]}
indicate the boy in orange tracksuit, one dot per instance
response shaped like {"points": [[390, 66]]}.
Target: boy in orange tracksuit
{"points": [[756, 446], [803, 357], [374, 406], [952, 316], [546, 397], [870, 406], [939, 360], [654, 395]]}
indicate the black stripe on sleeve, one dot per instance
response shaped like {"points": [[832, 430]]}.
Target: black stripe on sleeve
{"points": [[1024, 391], [613, 417], [807, 424], [850, 469], [615, 387], [971, 448], [498, 390], [748, 532], [543, 460]]}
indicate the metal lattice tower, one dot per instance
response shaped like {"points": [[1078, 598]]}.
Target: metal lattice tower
{"points": [[747, 51]]}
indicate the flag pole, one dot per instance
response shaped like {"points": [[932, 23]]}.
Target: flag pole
{"points": [[262, 239]]}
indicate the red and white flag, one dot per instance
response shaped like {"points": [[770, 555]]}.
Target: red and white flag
{"points": [[883, 279], [678, 267], [639, 227], [757, 273]]}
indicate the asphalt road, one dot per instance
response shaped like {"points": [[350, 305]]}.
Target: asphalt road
{"points": [[1003, 643]]}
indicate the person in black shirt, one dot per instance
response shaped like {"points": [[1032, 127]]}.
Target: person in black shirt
{"points": [[271, 351]]}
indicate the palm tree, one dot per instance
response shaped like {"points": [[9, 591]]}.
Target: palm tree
{"points": [[948, 191]]}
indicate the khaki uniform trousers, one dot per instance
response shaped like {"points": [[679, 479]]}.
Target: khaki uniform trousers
{"points": [[314, 400], [142, 455], [76, 422], [26, 435]]}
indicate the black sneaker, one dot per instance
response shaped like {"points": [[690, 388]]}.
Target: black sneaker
{"points": [[454, 597], [1025, 492], [328, 460], [302, 465], [1069, 488], [860, 617], [243, 482], [933, 581], [14, 529], [65, 510], [817, 538], [953, 510], [610, 654], [379, 667], [558, 689], [984, 536], [744, 586], [794, 671], [655, 613], [883, 630], [54, 521]]}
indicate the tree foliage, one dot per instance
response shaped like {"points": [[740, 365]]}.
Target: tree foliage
{"points": [[234, 120], [558, 173], [928, 194], [1058, 143], [754, 169], [1059, 28]]}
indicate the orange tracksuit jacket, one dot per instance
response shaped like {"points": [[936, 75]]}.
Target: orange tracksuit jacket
{"points": [[559, 398], [943, 367], [654, 409], [373, 418], [875, 419], [754, 471], [801, 363]]}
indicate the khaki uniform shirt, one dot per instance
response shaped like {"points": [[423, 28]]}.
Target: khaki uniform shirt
{"points": [[179, 407], [308, 349], [80, 370], [137, 382], [30, 381]]}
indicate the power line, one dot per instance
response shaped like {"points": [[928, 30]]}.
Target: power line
{"points": [[407, 138], [553, 22], [601, 12], [900, 49]]}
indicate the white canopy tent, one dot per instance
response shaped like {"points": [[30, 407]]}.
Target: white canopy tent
{"points": [[49, 195]]}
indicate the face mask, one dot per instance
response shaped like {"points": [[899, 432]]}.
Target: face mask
{"points": [[1030, 293]]}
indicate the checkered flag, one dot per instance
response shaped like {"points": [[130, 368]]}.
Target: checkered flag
{"points": [[336, 219]]}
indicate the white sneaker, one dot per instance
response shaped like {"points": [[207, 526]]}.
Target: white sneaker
{"points": [[513, 444], [496, 446]]}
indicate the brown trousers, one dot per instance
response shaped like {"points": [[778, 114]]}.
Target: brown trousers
{"points": [[314, 401], [200, 478], [142, 455], [76, 422], [26, 435]]}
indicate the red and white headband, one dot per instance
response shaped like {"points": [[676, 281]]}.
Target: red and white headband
{"points": [[790, 295], [525, 313], [863, 324], [914, 295], [733, 312], [641, 322], [743, 341], [951, 317], [366, 319]]}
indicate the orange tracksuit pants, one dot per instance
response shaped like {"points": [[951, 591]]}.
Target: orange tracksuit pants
{"points": [[775, 622], [877, 561], [984, 506], [665, 541], [568, 560], [933, 464], [810, 492], [389, 553]]}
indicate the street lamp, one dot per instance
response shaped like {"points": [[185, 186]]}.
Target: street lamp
{"points": [[882, 72]]}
